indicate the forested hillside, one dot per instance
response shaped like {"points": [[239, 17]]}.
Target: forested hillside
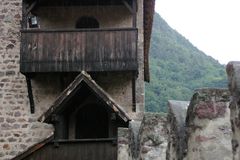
{"points": [[177, 68]]}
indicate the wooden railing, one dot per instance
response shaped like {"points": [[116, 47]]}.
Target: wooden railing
{"points": [[76, 50]]}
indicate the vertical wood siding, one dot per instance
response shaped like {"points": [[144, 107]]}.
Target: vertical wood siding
{"points": [[81, 150], [76, 50]]}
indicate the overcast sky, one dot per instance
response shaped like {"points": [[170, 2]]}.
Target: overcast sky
{"points": [[213, 26]]}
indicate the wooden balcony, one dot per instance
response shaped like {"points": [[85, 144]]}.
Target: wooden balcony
{"points": [[76, 50]]}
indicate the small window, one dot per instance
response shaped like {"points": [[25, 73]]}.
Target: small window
{"points": [[87, 22]]}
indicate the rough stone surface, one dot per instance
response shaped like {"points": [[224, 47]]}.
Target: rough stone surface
{"points": [[18, 128], [152, 137], [124, 151], [177, 111], [208, 126], [233, 71]]}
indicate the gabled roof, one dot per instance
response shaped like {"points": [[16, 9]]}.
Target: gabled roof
{"points": [[69, 92]]}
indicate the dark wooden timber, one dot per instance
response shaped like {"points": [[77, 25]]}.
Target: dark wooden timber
{"points": [[134, 92], [84, 149], [129, 7], [76, 50], [148, 20], [24, 15], [31, 7], [76, 2], [30, 94], [134, 13]]}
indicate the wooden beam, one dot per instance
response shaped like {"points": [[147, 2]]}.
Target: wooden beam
{"points": [[134, 14], [30, 94], [128, 6], [24, 15], [134, 91], [31, 7]]}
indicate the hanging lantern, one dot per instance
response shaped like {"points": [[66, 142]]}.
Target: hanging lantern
{"points": [[33, 22]]}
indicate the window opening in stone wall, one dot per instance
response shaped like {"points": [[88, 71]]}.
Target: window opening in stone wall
{"points": [[87, 22]]}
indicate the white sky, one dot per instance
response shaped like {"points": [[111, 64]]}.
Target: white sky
{"points": [[213, 26]]}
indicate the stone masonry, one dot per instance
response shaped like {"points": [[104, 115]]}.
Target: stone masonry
{"points": [[18, 128], [208, 125], [177, 111], [233, 71], [152, 137]]}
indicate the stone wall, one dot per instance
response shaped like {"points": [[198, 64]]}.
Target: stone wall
{"points": [[152, 137], [66, 17], [140, 86], [124, 151], [233, 71], [18, 128], [47, 87], [177, 111], [119, 86], [208, 126]]}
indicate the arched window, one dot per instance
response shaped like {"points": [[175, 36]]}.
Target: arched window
{"points": [[87, 22]]}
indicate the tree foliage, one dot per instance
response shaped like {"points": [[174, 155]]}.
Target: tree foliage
{"points": [[177, 68]]}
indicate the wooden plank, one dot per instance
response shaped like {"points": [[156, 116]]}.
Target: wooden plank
{"points": [[24, 14], [112, 50], [134, 13], [97, 150]]}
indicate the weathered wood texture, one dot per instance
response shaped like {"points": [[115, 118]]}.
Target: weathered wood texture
{"points": [[105, 149], [76, 50]]}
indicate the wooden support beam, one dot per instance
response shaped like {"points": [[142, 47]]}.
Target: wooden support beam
{"points": [[134, 14], [128, 6], [134, 91], [24, 15], [30, 94], [31, 7]]}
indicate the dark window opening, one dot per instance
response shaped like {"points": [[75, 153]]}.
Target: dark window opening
{"points": [[92, 122], [87, 22]]}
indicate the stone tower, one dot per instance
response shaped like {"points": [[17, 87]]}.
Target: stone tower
{"points": [[71, 70]]}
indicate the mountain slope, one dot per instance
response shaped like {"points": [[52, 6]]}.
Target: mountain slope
{"points": [[177, 68]]}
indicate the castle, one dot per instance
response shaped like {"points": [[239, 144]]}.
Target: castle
{"points": [[72, 73], [72, 87]]}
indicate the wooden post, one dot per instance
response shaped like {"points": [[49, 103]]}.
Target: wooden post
{"points": [[30, 94], [134, 91], [134, 14], [24, 14]]}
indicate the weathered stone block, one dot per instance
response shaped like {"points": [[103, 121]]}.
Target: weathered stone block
{"points": [[123, 144], [177, 111], [208, 127], [152, 137], [233, 72]]}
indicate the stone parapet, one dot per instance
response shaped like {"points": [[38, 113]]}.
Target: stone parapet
{"points": [[233, 72], [176, 129], [208, 126], [152, 137]]}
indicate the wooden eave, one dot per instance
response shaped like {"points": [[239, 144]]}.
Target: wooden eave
{"points": [[148, 21], [66, 95]]}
